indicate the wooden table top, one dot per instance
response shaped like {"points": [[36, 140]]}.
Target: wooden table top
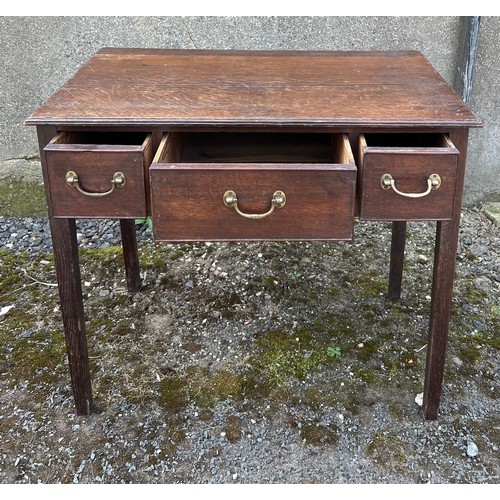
{"points": [[150, 87]]}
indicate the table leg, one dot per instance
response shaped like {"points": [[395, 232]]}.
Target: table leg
{"points": [[70, 292], [397, 259], [442, 289], [445, 252], [130, 254]]}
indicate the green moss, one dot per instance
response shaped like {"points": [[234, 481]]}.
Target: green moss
{"points": [[320, 435], [36, 356], [175, 254], [153, 257], [372, 285], [10, 275], [233, 429], [205, 414], [469, 353], [386, 450], [122, 328], [369, 349], [287, 356], [494, 311], [221, 386], [104, 256], [22, 199], [172, 393], [366, 376], [202, 388], [257, 386], [471, 293]]}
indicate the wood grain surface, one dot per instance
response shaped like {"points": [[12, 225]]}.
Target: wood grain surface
{"points": [[410, 164], [187, 195], [95, 163], [199, 88]]}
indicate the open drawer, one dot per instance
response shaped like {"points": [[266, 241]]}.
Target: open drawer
{"points": [[407, 176], [252, 186], [93, 175]]}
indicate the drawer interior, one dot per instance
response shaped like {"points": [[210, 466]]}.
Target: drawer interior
{"points": [[254, 147], [101, 138], [407, 141]]}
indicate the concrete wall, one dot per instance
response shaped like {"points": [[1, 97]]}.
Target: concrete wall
{"points": [[483, 173], [40, 53]]}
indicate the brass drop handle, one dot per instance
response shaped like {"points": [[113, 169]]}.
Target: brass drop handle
{"points": [[433, 183], [231, 201], [118, 181]]}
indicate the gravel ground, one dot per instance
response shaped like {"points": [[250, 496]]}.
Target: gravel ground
{"points": [[249, 363]]}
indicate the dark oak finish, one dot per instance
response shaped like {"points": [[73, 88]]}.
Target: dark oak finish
{"points": [[187, 198], [130, 255], [361, 89], [70, 293], [67, 267], [410, 166], [95, 158], [398, 242], [254, 122], [442, 289]]}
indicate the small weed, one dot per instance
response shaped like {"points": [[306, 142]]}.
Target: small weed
{"points": [[148, 221], [333, 352]]}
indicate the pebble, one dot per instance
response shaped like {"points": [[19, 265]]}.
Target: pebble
{"points": [[422, 259], [33, 233], [472, 449]]}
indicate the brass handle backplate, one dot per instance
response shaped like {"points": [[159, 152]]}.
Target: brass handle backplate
{"points": [[118, 181], [231, 201], [433, 183]]}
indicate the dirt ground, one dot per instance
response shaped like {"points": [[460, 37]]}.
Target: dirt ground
{"points": [[254, 363]]}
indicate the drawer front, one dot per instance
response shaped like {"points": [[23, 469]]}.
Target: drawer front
{"points": [[98, 180], [188, 202], [407, 183]]}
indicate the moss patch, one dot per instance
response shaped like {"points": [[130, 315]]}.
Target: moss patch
{"points": [[31, 349], [233, 429], [173, 394], [22, 199], [286, 356], [319, 435], [387, 451], [201, 387]]}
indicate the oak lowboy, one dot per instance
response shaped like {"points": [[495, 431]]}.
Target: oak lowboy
{"points": [[245, 146]]}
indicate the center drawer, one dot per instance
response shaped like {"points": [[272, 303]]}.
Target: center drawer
{"points": [[253, 187]]}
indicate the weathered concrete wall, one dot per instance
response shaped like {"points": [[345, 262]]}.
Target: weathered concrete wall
{"points": [[483, 173], [40, 53]]}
